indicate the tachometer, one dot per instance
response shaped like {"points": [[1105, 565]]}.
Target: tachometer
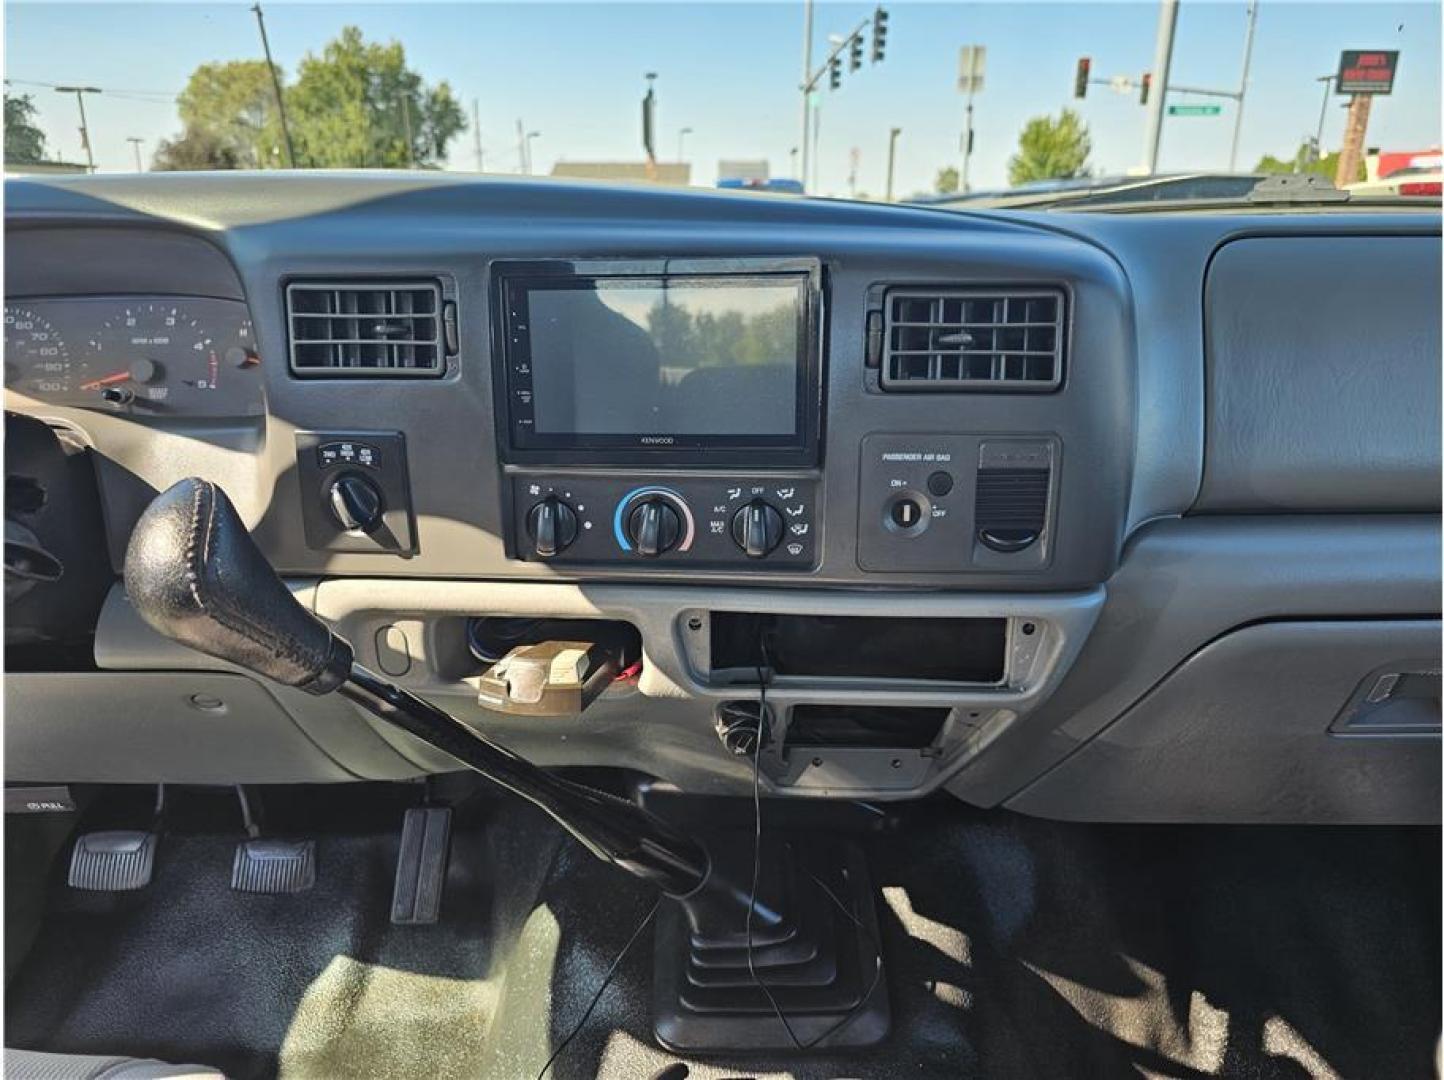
{"points": [[37, 361], [148, 351]]}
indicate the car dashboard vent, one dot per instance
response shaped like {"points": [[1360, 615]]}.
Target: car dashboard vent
{"points": [[366, 329], [973, 339]]}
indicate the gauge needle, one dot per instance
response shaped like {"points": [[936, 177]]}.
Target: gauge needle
{"points": [[96, 384]]}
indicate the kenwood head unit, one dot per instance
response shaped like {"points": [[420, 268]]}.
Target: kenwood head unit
{"points": [[661, 362]]}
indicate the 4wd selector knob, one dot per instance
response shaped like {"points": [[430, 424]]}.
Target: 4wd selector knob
{"points": [[757, 528], [552, 526], [355, 503], [653, 526]]}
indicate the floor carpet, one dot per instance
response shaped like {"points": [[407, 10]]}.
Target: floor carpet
{"points": [[1014, 948]]}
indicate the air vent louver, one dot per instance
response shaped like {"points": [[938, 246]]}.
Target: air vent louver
{"points": [[365, 329], [973, 339]]}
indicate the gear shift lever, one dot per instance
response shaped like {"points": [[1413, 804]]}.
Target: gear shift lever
{"points": [[195, 575]]}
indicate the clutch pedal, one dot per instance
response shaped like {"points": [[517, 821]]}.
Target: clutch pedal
{"points": [[118, 860]]}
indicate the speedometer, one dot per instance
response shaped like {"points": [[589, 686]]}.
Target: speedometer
{"points": [[144, 357], [37, 361]]}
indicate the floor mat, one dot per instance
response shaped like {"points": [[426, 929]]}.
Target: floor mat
{"points": [[1015, 948]]}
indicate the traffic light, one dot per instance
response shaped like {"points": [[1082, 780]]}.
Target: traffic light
{"points": [[1080, 80], [854, 53], [1147, 82], [834, 74], [879, 34]]}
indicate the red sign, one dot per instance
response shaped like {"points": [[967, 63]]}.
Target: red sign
{"points": [[1367, 71]]}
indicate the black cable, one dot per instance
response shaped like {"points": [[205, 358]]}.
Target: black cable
{"points": [[606, 981], [756, 871]]}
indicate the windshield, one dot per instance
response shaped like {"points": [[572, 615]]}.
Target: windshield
{"points": [[1028, 106]]}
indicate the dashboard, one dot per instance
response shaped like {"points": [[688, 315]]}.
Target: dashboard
{"points": [[976, 489]]}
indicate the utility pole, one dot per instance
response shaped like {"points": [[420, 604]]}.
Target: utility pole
{"points": [[135, 145], [681, 141], [1242, 84], [792, 157], [406, 127], [806, 89], [853, 156], [521, 148], [1162, 60], [891, 157], [80, 92], [972, 61], [816, 136], [276, 85], [476, 131]]}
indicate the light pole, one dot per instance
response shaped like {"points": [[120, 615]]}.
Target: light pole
{"points": [[1242, 85], [681, 141], [1162, 60], [891, 157], [80, 92], [1328, 81], [530, 135], [792, 156], [806, 90], [135, 145]]}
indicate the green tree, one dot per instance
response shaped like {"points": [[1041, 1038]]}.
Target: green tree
{"points": [[1050, 149], [1304, 161], [233, 106], [946, 182], [24, 141], [197, 149], [359, 105]]}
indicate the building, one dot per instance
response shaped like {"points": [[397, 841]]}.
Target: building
{"points": [[673, 174]]}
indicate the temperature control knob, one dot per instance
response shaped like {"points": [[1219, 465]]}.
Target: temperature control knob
{"points": [[355, 503], [552, 526], [757, 528], [653, 526]]}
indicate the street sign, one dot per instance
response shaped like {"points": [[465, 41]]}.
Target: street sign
{"points": [[1194, 110], [972, 65], [1120, 84], [1367, 71]]}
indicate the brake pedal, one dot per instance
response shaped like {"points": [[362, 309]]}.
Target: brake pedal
{"points": [[274, 866], [118, 861], [421, 866], [270, 866]]}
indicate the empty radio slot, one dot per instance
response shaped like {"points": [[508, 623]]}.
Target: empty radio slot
{"points": [[887, 727], [848, 646]]}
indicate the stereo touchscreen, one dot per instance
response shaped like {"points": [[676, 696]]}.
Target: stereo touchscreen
{"points": [[611, 366]]}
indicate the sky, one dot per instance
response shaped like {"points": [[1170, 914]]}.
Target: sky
{"points": [[574, 72]]}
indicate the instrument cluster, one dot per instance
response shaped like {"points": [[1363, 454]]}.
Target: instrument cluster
{"points": [[140, 356]]}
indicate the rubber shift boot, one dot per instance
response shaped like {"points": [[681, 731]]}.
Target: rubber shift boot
{"points": [[421, 865], [112, 861], [274, 866]]}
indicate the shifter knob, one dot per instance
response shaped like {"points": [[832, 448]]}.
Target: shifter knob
{"points": [[195, 575]]}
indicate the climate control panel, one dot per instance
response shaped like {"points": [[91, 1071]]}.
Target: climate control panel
{"points": [[717, 521]]}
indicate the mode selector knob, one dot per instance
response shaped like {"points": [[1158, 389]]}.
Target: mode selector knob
{"points": [[355, 503], [552, 526], [757, 528], [653, 526]]}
